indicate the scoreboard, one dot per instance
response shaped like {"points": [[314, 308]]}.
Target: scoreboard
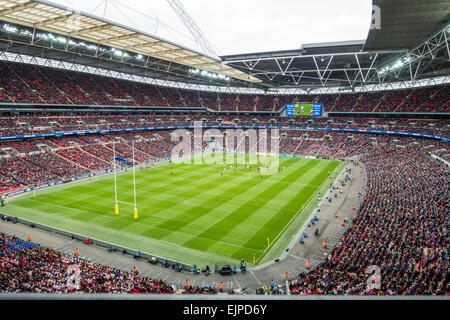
{"points": [[304, 109]]}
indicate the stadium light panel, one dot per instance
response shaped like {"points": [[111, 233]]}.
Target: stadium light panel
{"points": [[9, 28], [207, 74], [26, 33], [398, 64], [42, 36]]}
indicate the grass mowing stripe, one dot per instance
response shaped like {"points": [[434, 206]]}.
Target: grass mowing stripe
{"points": [[125, 223], [216, 216], [166, 204], [288, 233], [177, 188], [228, 190], [159, 231], [192, 214], [193, 193], [88, 206], [240, 214], [120, 226], [279, 220], [254, 222], [184, 234], [94, 194], [213, 213], [284, 209], [89, 213]]}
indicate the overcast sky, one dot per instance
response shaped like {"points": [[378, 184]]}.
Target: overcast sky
{"points": [[241, 26]]}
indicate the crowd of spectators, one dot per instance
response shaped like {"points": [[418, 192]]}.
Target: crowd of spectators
{"points": [[29, 162], [36, 269], [26, 124], [42, 85], [79, 157], [401, 227]]}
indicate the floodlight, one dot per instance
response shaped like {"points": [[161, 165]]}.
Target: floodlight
{"points": [[10, 28]]}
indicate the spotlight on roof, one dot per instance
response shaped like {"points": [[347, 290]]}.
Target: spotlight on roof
{"points": [[208, 74], [9, 28], [118, 52]]}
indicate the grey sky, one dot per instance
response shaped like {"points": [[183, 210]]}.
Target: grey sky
{"points": [[241, 26]]}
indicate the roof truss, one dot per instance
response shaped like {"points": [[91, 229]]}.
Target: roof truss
{"points": [[353, 68]]}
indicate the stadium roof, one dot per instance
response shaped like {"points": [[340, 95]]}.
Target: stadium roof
{"points": [[395, 52], [407, 41], [42, 15], [404, 23], [320, 64]]}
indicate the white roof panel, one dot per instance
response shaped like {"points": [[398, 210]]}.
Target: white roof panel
{"points": [[64, 21]]}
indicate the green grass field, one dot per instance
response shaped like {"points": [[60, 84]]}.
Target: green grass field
{"points": [[196, 216]]}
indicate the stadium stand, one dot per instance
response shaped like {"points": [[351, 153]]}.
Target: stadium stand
{"points": [[94, 152], [401, 180], [28, 267], [400, 225], [24, 84]]}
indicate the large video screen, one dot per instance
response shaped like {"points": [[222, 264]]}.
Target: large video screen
{"points": [[304, 109]]}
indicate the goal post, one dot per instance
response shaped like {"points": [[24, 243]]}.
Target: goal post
{"points": [[116, 201], [135, 211], [116, 205]]}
